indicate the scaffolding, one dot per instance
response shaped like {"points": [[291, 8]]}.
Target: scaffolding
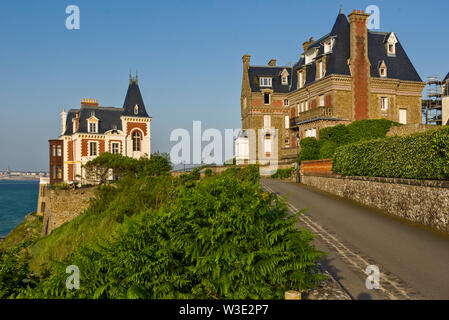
{"points": [[433, 102]]}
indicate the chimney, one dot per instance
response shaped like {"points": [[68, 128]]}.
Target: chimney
{"points": [[89, 102], [76, 123], [359, 64], [272, 63], [63, 120], [307, 44], [245, 60]]}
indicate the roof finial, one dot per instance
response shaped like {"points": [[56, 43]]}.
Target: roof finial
{"points": [[341, 9]]}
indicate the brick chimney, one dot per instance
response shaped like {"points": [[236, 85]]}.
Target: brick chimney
{"points": [[245, 60], [272, 63], [359, 64], [307, 44], [89, 102]]}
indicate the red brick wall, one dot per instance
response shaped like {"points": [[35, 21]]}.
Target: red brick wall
{"points": [[132, 125], [313, 104], [327, 100], [278, 103], [317, 167], [70, 151], [257, 103]]}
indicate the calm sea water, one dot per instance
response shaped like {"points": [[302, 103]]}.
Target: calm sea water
{"points": [[17, 199]]}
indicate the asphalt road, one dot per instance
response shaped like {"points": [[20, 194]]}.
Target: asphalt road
{"points": [[413, 261]]}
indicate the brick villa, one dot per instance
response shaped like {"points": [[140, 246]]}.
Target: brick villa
{"points": [[92, 130], [349, 74]]}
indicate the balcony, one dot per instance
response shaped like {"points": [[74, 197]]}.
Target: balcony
{"points": [[312, 114]]}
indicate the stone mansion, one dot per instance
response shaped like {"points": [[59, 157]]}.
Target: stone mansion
{"points": [[349, 74], [92, 130]]}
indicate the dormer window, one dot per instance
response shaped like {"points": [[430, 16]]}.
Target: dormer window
{"points": [[328, 45], [284, 77], [311, 55], [390, 44], [136, 109], [265, 82], [301, 79], [92, 127], [383, 69], [321, 69]]}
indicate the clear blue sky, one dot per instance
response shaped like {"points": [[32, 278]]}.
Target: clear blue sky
{"points": [[188, 54]]}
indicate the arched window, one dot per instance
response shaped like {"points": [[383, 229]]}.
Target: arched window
{"points": [[136, 109], [136, 140]]}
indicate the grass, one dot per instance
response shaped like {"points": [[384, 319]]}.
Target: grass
{"points": [[31, 227]]}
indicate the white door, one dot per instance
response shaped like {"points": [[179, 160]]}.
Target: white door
{"points": [[403, 116]]}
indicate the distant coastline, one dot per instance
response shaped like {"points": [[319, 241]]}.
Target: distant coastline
{"points": [[20, 178]]}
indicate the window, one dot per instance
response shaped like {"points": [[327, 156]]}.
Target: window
{"points": [[53, 150], [115, 148], [267, 144], [265, 82], [53, 172], [311, 133], [136, 140], [136, 109], [383, 103], [383, 72], [284, 80], [322, 101], [286, 103], [307, 106], [300, 79], [266, 98], [287, 122], [59, 172], [93, 149], [59, 151], [299, 108], [266, 121], [328, 46], [320, 69], [92, 127]]}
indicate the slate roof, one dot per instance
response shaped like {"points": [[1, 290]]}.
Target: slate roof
{"points": [[256, 72], [398, 67], [108, 117], [132, 98]]}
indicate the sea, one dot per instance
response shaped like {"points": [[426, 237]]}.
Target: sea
{"points": [[17, 199]]}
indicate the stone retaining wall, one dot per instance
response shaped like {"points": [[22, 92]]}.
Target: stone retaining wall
{"points": [[61, 206], [423, 202]]}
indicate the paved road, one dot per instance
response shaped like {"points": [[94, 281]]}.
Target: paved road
{"points": [[413, 262]]}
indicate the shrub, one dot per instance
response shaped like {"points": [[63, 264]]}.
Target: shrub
{"points": [[369, 129], [208, 172], [222, 239], [310, 149], [283, 173], [418, 156]]}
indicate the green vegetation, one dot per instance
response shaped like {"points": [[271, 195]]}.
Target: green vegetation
{"points": [[333, 137], [30, 229], [418, 156], [283, 173], [158, 236]]}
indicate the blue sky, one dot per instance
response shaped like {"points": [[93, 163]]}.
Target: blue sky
{"points": [[188, 54]]}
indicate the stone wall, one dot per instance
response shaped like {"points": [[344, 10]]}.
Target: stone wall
{"points": [[61, 206], [408, 129], [423, 202]]}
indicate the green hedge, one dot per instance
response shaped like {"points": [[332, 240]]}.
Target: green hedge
{"points": [[283, 173], [310, 149], [418, 156]]}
